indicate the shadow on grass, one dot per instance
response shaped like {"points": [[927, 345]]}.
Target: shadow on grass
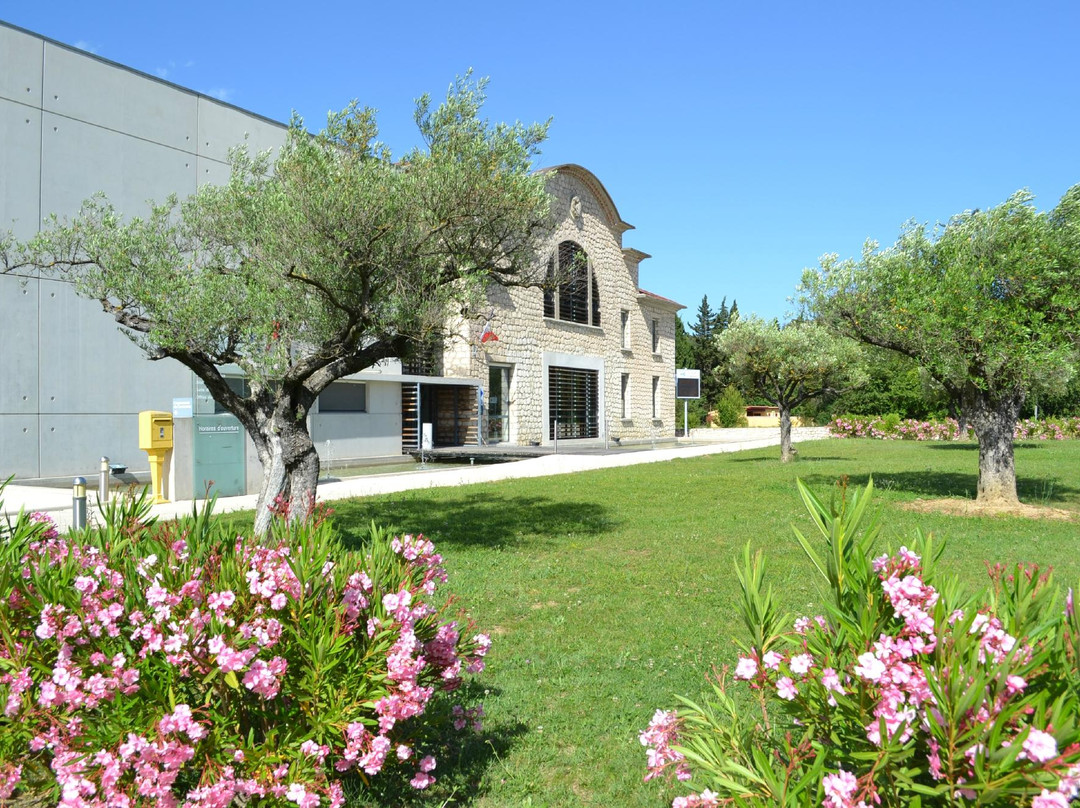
{"points": [[938, 484], [798, 459], [463, 759], [475, 520]]}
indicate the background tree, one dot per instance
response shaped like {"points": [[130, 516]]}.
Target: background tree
{"points": [[723, 317], [706, 357], [684, 346], [314, 266], [894, 384], [788, 365], [702, 327], [988, 305]]}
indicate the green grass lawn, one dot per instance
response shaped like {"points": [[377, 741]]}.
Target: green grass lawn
{"points": [[607, 592]]}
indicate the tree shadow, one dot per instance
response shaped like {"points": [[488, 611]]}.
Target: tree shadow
{"points": [[463, 757], [941, 484], [798, 459], [475, 520]]}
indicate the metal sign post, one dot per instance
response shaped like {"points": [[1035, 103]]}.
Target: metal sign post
{"points": [[687, 386]]}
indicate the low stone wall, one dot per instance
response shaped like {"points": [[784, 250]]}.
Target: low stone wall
{"points": [[739, 434]]}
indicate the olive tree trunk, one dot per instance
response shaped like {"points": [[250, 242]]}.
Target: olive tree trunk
{"points": [[290, 467], [994, 420], [786, 452]]}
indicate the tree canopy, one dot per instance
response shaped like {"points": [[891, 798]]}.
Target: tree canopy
{"points": [[788, 365], [987, 304], [314, 265], [704, 354]]}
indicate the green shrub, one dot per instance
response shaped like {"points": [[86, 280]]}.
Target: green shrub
{"points": [[167, 663], [907, 692], [731, 408]]}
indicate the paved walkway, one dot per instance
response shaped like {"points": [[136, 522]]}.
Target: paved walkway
{"points": [[57, 501]]}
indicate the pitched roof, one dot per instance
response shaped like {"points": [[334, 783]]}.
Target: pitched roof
{"points": [[652, 296]]}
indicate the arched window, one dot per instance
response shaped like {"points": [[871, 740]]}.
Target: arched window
{"points": [[571, 292]]}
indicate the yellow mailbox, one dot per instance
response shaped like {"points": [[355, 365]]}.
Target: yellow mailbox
{"points": [[156, 439]]}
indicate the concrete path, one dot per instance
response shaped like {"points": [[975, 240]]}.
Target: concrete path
{"points": [[57, 501]]}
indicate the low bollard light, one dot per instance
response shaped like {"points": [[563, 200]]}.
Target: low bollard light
{"points": [[103, 481], [78, 503]]}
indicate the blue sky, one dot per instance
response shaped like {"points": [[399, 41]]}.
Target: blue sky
{"points": [[742, 140]]}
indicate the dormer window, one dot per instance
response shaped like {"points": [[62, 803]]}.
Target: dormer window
{"points": [[571, 292]]}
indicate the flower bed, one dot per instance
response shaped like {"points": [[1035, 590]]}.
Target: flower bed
{"points": [[906, 692], [893, 428], [172, 664]]}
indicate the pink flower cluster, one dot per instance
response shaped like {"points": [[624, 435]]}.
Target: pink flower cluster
{"points": [[658, 739], [1047, 429], [859, 426], [187, 629], [891, 676], [841, 790], [407, 661]]}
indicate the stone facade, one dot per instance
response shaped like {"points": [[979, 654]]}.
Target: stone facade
{"points": [[620, 349]]}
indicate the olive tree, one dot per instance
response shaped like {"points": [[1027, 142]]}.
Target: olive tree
{"points": [[314, 265], [788, 365], [988, 305]]}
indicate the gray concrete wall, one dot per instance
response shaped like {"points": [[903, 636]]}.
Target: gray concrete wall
{"points": [[356, 436], [72, 125]]}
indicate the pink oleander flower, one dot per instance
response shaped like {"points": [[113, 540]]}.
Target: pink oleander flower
{"points": [[801, 664], [831, 681], [870, 667], [772, 660], [1039, 746], [839, 789], [220, 602], [1050, 799], [421, 780], [785, 688], [706, 799], [747, 668]]}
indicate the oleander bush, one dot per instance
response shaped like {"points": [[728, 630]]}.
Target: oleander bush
{"points": [[146, 663], [892, 427], [906, 692]]}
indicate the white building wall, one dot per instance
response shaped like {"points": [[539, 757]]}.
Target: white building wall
{"points": [[73, 125]]}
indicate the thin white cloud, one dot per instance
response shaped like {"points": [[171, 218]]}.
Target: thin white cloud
{"points": [[220, 93], [162, 72], [83, 45]]}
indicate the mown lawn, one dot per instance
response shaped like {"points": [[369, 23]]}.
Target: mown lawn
{"points": [[608, 592]]}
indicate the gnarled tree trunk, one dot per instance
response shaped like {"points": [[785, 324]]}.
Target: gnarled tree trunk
{"points": [[786, 452], [290, 467], [993, 418]]}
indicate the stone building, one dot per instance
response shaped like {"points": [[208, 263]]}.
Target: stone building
{"points": [[590, 359]]}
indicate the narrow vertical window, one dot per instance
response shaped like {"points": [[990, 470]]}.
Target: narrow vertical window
{"points": [[625, 395], [655, 395], [656, 336], [625, 332]]}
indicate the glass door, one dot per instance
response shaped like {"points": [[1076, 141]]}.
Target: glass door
{"points": [[498, 403]]}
